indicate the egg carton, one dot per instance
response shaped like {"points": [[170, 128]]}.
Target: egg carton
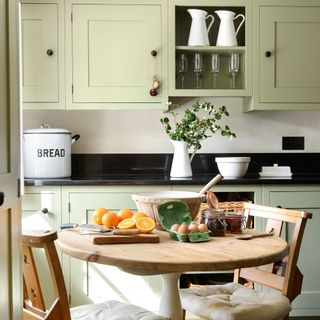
{"points": [[177, 212], [191, 237]]}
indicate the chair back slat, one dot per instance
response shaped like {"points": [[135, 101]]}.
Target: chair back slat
{"points": [[34, 306], [290, 281], [31, 280]]}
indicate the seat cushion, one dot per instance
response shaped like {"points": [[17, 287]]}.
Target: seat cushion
{"points": [[113, 310], [234, 302]]}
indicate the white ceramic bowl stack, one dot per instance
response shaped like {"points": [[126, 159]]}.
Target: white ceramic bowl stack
{"points": [[232, 167]]}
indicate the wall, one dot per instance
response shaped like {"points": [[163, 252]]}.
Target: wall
{"points": [[141, 131]]}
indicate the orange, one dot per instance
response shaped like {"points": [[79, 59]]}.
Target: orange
{"points": [[98, 214], [138, 215], [125, 213], [127, 224], [110, 219], [145, 224]]}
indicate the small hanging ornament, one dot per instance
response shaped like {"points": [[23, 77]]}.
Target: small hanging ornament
{"points": [[155, 86]]}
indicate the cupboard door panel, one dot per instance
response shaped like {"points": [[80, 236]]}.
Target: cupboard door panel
{"points": [[111, 52], [291, 72], [40, 73]]}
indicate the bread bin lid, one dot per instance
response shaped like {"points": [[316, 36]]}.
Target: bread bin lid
{"points": [[46, 129], [232, 159]]}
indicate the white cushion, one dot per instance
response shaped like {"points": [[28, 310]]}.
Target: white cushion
{"points": [[234, 302], [113, 310]]}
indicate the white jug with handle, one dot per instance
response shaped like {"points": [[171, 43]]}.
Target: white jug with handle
{"points": [[227, 36], [198, 35]]}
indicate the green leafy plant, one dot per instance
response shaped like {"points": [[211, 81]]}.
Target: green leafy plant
{"points": [[194, 127]]}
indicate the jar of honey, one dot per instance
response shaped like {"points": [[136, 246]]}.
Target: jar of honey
{"points": [[215, 221]]}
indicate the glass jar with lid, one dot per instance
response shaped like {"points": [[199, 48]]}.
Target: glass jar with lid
{"points": [[215, 221]]}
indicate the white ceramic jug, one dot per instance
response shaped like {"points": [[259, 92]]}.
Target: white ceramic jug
{"points": [[181, 162], [198, 35], [227, 36]]}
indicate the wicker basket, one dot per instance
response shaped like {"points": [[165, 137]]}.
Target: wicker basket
{"points": [[227, 206]]}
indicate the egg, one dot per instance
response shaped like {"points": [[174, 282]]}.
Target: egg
{"points": [[175, 227], [203, 227], [183, 229], [193, 227]]}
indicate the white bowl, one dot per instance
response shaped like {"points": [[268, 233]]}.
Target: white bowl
{"points": [[232, 167]]}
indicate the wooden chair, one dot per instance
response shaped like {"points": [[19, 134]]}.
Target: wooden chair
{"points": [[235, 301], [34, 306]]}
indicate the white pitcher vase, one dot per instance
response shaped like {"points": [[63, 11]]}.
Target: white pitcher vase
{"points": [[198, 35], [181, 163], [227, 35]]}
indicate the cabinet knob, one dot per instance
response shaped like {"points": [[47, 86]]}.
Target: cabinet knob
{"points": [[1, 198], [44, 210], [154, 53], [49, 52], [267, 54]]}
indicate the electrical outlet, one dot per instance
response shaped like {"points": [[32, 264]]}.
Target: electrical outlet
{"points": [[292, 143]]}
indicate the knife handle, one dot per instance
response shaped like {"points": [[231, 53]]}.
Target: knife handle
{"points": [[69, 226]]}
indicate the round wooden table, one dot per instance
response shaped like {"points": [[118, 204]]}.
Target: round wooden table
{"points": [[170, 258]]}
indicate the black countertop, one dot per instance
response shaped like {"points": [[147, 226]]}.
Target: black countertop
{"points": [[154, 169]]}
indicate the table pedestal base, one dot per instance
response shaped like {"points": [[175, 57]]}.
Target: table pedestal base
{"points": [[170, 304]]}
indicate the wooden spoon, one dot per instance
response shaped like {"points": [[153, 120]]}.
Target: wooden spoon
{"points": [[252, 236], [211, 183]]}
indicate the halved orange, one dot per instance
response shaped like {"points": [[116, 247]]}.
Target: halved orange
{"points": [[127, 224], [138, 215], [145, 224]]}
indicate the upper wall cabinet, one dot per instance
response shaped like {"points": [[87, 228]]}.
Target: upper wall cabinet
{"points": [[286, 55], [210, 48], [42, 55], [116, 55]]}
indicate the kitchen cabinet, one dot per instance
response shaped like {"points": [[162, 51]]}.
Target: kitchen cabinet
{"points": [[95, 282], [42, 53], [115, 51], [286, 68], [182, 77], [302, 198], [41, 210]]}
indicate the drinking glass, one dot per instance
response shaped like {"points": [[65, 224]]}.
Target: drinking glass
{"points": [[215, 67], [182, 67], [233, 68], [197, 68]]}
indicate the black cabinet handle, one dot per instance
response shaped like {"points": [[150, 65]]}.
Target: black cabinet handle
{"points": [[154, 53], [1, 198], [267, 54], [49, 52], [44, 210]]}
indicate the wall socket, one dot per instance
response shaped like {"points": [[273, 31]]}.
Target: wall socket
{"points": [[292, 143]]}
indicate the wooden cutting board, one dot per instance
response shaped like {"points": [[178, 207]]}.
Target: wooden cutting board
{"points": [[114, 239]]}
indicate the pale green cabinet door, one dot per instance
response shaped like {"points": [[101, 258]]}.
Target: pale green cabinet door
{"points": [[94, 282], [40, 72], [111, 53], [289, 53], [308, 302]]}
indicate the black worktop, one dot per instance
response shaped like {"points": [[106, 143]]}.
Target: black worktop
{"points": [[154, 169]]}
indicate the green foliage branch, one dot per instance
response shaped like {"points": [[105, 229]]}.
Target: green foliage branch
{"points": [[194, 128]]}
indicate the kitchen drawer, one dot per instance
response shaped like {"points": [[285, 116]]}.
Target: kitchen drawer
{"points": [[295, 199], [41, 208]]}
